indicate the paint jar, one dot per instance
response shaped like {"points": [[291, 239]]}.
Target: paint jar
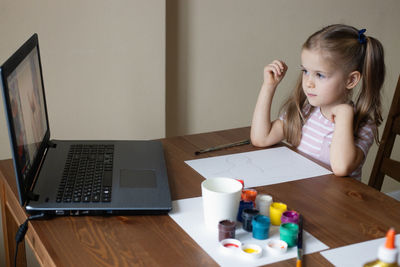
{"points": [[275, 212], [249, 195], [263, 203], [243, 205], [247, 216], [290, 216], [288, 233], [260, 225], [226, 229]]}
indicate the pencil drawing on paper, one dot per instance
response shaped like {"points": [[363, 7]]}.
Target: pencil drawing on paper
{"points": [[261, 167]]}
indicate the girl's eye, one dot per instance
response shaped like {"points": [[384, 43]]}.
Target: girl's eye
{"points": [[321, 76], [304, 71]]}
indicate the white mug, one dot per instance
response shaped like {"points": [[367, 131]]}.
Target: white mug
{"points": [[221, 198]]}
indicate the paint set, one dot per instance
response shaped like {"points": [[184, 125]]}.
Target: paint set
{"points": [[255, 215]]}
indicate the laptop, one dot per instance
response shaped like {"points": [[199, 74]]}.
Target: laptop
{"points": [[74, 177]]}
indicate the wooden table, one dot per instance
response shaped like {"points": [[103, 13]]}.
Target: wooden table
{"points": [[338, 211]]}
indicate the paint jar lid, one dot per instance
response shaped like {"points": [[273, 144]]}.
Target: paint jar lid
{"points": [[248, 214], [276, 246], [279, 205], [226, 225], [261, 221], [290, 216], [289, 229], [230, 245], [249, 195], [263, 199], [251, 251]]}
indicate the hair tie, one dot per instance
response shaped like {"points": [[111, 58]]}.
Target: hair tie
{"points": [[361, 36]]}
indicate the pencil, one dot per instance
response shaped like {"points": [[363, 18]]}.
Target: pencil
{"points": [[243, 142], [300, 242]]}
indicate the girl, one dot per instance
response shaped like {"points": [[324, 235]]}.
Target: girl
{"points": [[319, 117]]}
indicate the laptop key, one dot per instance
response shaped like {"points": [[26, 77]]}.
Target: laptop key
{"points": [[87, 174], [107, 178]]}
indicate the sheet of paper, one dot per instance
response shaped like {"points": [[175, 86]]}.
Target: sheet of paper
{"points": [[261, 167], [357, 254], [188, 214]]}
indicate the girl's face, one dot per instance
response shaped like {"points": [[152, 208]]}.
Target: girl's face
{"points": [[324, 84]]}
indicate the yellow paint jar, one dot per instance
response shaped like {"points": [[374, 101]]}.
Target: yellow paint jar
{"points": [[275, 212]]}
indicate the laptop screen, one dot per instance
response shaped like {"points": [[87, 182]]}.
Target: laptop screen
{"points": [[26, 112], [27, 108]]}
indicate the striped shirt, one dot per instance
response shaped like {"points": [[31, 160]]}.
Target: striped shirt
{"points": [[317, 135]]}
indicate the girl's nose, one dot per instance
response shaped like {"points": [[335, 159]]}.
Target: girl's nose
{"points": [[310, 82]]}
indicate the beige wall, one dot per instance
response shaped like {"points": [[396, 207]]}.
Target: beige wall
{"points": [[218, 49], [103, 63], [108, 57]]}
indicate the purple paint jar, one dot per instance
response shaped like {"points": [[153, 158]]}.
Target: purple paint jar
{"points": [[226, 229], [290, 216]]}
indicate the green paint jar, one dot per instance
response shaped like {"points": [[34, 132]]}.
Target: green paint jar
{"points": [[289, 233]]}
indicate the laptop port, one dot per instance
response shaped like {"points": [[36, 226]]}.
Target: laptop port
{"points": [[74, 212], [60, 212]]}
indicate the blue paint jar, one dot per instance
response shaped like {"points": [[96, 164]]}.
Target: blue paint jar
{"points": [[247, 216], [244, 205], [261, 225]]}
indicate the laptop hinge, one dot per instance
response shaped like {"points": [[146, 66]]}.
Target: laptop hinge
{"points": [[51, 144], [32, 196]]}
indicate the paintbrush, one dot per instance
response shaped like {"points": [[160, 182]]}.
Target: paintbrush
{"points": [[243, 142], [300, 242]]}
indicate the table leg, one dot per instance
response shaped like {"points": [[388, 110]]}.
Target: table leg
{"points": [[10, 227]]}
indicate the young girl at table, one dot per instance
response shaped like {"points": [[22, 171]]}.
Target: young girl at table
{"points": [[320, 118]]}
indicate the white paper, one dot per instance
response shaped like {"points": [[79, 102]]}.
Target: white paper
{"points": [[188, 214], [357, 254], [261, 167]]}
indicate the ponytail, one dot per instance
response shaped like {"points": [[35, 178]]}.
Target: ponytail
{"points": [[368, 101]]}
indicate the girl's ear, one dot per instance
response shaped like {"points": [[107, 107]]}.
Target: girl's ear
{"points": [[353, 79]]}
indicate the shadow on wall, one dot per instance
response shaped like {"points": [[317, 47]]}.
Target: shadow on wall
{"points": [[176, 66]]}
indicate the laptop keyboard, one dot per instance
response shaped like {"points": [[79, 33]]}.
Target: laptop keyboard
{"points": [[87, 175]]}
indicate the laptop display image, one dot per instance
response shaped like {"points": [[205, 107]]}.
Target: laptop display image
{"points": [[74, 177]]}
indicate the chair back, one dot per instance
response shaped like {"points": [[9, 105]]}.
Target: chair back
{"points": [[384, 164]]}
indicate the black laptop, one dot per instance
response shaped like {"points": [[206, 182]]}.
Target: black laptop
{"points": [[74, 177]]}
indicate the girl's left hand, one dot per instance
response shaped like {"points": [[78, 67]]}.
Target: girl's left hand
{"points": [[342, 111]]}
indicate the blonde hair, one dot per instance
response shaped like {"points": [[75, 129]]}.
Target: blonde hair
{"points": [[350, 48]]}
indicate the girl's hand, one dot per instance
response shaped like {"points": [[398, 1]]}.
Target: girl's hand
{"points": [[274, 73], [341, 112]]}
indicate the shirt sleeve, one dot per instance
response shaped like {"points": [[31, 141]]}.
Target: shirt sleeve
{"points": [[365, 137]]}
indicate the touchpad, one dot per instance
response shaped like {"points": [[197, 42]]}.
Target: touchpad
{"points": [[138, 178]]}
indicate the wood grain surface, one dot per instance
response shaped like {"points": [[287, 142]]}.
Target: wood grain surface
{"points": [[338, 211]]}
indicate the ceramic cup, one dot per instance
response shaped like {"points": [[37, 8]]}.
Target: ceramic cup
{"points": [[221, 197]]}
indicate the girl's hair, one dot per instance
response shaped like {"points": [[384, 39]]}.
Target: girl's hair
{"points": [[350, 49]]}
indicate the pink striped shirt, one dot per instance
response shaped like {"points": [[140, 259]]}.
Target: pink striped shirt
{"points": [[317, 135]]}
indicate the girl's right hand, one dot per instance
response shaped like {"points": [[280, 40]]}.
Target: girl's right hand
{"points": [[274, 73]]}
